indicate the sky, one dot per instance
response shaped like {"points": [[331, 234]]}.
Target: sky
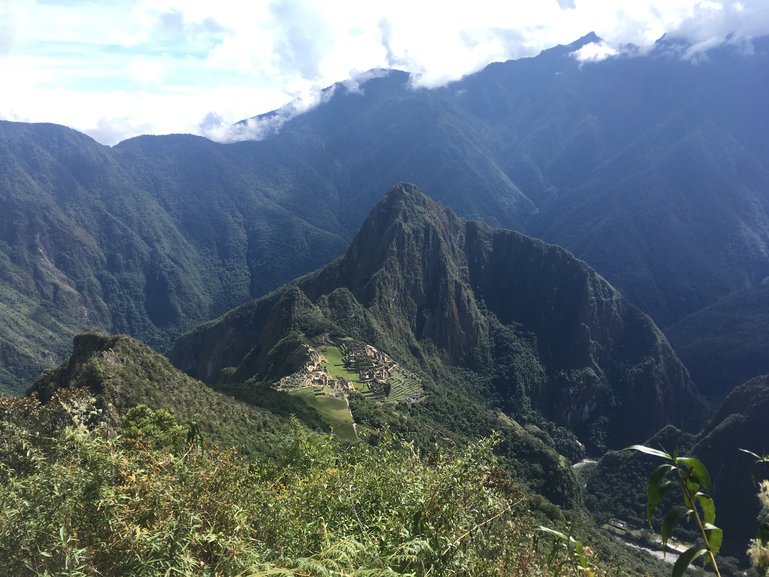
{"points": [[115, 69]]}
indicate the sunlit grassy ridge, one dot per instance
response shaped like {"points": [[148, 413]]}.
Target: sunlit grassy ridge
{"points": [[126, 372]]}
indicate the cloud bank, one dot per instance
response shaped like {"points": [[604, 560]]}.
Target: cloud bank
{"points": [[115, 70]]}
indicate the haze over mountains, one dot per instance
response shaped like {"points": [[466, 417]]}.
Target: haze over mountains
{"points": [[653, 169]]}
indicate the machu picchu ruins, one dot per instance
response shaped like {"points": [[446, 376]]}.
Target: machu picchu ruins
{"points": [[339, 367]]}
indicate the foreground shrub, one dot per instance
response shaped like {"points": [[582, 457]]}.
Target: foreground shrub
{"points": [[79, 501]]}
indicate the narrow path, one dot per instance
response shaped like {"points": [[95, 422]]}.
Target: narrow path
{"points": [[354, 424]]}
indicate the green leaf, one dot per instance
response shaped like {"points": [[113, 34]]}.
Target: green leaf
{"points": [[696, 471], [578, 548], [660, 472], [553, 533], [692, 488], [708, 506], [714, 536], [686, 559], [669, 523], [655, 494], [657, 488], [650, 451], [758, 460]]}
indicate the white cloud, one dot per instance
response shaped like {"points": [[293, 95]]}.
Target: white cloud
{"points": [[594, 52], [217, 128], [146, 71], [716, 22], [117, 69], [11, 12]]}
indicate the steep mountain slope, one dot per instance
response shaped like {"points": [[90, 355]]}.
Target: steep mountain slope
{"points": [[93, 237], [685, 226], [727, 342], [363, 140], [542, 329], [653, 168], [123, 372], [740, 422]]}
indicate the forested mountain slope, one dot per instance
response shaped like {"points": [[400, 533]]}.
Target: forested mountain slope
{"points": [[93, 237]]}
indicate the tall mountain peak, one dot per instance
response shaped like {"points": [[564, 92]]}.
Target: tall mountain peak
{"points": [[404, 202], [589, 38], [541, 325], [398, 224], [566, 49], [405, 196]]}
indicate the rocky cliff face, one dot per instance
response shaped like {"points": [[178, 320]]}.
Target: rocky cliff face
{"points": [[606, 359], [538, 323], [407, 266]]}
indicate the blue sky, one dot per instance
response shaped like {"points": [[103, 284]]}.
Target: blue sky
{"points": [[116, 69]]}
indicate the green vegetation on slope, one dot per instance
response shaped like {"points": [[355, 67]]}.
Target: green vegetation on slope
{"points": [[124, 372], [152, 497], [726, 343], [137, 506], [33, 335], [134, 239], [333, 410]]}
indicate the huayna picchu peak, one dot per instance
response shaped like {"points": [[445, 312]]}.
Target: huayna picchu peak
{"points": [[540, 328]]}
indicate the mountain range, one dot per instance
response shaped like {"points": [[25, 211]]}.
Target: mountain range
{"points": [[652, 168]]}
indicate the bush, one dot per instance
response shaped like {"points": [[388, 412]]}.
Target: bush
{"points": [[87, 502]]}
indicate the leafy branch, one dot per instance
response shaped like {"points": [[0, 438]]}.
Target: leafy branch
{"points": [[692, 478]]}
